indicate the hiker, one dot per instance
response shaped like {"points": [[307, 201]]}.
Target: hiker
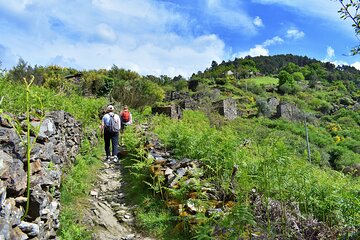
{"points": [[126, 118], [110, 126]]}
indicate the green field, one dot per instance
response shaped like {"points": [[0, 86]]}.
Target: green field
{"points": [[263, 80]]}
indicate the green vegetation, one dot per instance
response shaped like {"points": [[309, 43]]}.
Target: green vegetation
{"points": [[270, 152], [263, 80], [75, 188], [270, 164]]}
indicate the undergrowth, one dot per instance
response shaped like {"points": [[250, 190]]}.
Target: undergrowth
{"points": [[271, 162], [76, 185]]}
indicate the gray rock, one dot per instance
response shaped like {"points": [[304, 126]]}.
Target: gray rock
{"points": [[4, 229], [47, 127], [11, 143], [31, 229], [39, 199], [57, 116], [268, 108], [13, 174], [4, 122], [17, 234], [290, 112], [356, 106], [2, 192], [10, 213]]}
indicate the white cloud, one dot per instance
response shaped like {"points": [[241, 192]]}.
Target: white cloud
{"points": [[272, 41], [330, 52], [356, 65], [294, 33], [260, 49], [106, 32], [145, 36], [230, 14], [258, 22]]}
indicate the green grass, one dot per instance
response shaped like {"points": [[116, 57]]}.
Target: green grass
{"points": [[83, 109], [263, 80], [75, 188]]}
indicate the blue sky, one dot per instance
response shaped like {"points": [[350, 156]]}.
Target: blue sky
{"points": [[169, 37]]}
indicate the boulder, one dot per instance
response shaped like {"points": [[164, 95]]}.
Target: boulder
{"points": [[269, 107], [289, 111]]}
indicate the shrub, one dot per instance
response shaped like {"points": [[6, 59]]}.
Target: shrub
{"points": [[137, 93], [298, 76]]}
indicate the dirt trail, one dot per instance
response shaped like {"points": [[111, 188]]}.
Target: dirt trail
{"points": [[109, 215]]}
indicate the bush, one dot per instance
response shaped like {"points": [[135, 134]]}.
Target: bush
{"points": [[288, 88], [298, 76], [137, 93]]}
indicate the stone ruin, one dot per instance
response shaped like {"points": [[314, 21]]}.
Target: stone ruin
{"points": [[274, 108], [172, 110], [180, 101], [57, 145], [226, 108]]}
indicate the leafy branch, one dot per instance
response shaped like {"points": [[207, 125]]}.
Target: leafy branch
{"points": [[350, 10]]}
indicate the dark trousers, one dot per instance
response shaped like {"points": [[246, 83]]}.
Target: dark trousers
{"points": [[114, 138]]}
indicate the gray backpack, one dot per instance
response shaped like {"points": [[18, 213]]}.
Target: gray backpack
{"points": [[113, 126]]}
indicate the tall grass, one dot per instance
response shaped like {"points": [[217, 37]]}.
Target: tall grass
{"points": [[75, 188], [83, 109], [271, 164]]}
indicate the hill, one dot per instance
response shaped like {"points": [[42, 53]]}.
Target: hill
{"points": [[238, 160]]}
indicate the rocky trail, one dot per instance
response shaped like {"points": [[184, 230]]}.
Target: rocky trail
{"points": [[109, 216]]}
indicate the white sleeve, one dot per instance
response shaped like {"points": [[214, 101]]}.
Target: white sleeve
{"points": [[130, 121], [119, 120]]}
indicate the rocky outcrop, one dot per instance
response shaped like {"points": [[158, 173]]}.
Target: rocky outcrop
{"points": [[57, 144], [268, 108], [289, 111]]}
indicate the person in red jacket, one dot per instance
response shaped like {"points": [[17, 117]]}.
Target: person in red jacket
{"points": [[126, 118]]}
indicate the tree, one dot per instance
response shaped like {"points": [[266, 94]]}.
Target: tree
{"points": [[350, 10], [137, 93], [291, 68], [287, 82], [285, 77]]}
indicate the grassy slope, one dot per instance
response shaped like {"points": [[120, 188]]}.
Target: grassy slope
{"points": [[263, 80]]}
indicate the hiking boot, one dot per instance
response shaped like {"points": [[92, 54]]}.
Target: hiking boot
{"points": [[107, 158], [115, 159]]}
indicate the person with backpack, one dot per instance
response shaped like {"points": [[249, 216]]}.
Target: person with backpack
{"points": [[110, 127], [126, 118]]}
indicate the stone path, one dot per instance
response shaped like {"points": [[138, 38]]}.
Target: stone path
{"points": [[109, 215]]}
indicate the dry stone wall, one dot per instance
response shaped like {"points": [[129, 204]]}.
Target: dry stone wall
{"points": [[57, 145]]}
